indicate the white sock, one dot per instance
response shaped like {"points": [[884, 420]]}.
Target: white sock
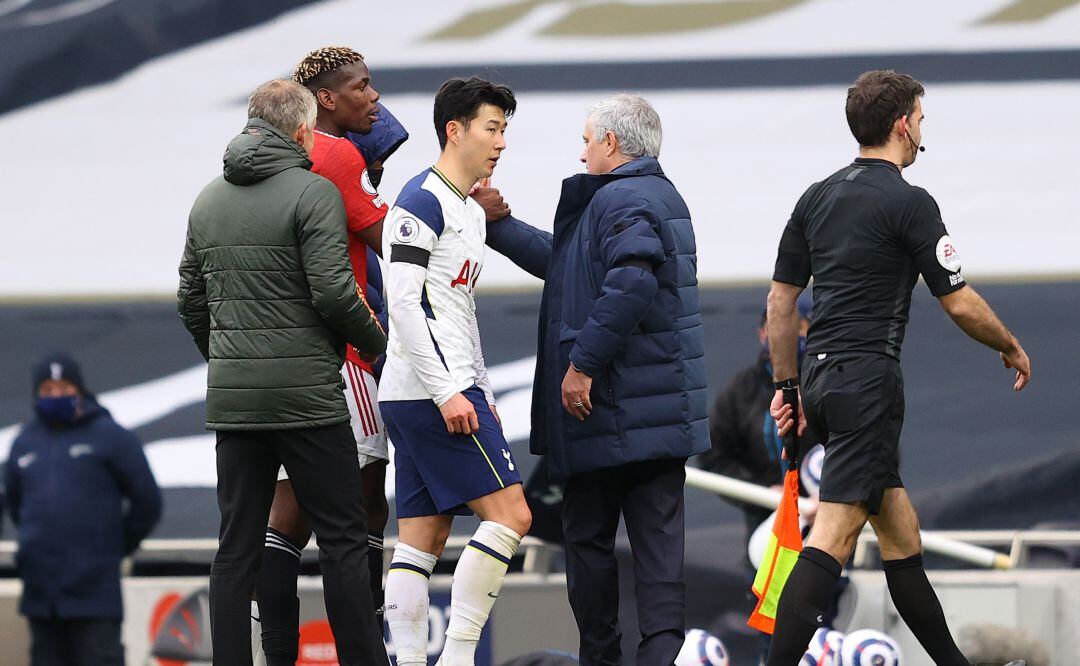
{"points": [[477, 581], [257, 656], [407, 602]]}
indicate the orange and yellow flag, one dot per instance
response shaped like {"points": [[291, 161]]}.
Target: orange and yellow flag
{"points": [[783, 549]]}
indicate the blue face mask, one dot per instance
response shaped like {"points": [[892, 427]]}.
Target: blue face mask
{"points": [[62, 409]]}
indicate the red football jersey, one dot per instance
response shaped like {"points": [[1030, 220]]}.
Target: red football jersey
{"points": [[339, 161]]}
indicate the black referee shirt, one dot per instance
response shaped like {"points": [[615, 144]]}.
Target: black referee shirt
{"points": [[865, 235]]}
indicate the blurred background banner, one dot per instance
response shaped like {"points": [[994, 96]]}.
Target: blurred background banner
{"points": [[750, 92], [50, 47]]}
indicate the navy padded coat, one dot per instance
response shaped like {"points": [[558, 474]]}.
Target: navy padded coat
{"points": [[621, 301]]}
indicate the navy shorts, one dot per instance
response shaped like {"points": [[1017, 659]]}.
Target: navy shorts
{"points": [[437, 472], [857, 401]]}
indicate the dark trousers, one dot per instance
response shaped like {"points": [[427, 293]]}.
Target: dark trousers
{"points": [[325, 475], [649, 495], [76, 642]]}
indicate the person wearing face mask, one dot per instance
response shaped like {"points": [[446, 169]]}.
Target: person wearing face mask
{"points": [[81, 492], [745, 443]]}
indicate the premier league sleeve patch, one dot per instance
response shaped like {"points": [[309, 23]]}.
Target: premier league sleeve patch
{"points": [[365, 182], [369, 189], [406, 230]]}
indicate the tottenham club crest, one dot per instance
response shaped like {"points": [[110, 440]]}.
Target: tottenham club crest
{"points": [[947, 255], [406, 229]]}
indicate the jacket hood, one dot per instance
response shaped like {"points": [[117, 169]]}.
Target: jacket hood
{"points": [[261, 151]]}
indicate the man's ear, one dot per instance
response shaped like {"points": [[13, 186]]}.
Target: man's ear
{"points": [[301, 133], [453, 131], [901, 127], [612, 143], [326, 99]]}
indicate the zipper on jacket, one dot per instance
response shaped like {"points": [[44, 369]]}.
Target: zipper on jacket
{"points": [[610, 389]]}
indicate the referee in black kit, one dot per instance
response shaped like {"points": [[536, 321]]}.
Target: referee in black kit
{"points": [[865, 236]]}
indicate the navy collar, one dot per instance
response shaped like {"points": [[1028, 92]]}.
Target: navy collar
{"points": [[641, 166]]}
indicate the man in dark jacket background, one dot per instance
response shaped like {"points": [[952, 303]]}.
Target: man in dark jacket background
{"points": [[619, 399], [68, 476], [745, 445], [268, 293]]}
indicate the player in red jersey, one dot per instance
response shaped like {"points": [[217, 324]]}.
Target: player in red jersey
{"points": [[347, 102]]}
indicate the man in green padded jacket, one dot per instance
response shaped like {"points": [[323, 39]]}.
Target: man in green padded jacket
{"points": [[267, 291]]}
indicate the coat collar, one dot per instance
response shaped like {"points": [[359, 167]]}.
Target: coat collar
{"points": [[578, 190], [642, 166]]}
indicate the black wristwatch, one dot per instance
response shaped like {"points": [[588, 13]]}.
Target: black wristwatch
{"points": [[786, 384]]}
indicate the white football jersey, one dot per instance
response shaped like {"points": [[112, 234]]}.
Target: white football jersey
{"points": [[432, 217]]}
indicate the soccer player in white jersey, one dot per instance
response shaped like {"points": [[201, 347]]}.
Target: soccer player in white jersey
{"points": [[435, 397]]}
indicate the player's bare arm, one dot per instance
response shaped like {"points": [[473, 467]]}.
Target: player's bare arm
{"points": [[973, 315], [372, 236], [783, 328]]}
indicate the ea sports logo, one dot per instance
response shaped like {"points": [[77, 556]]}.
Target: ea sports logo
{"points": [[947, 255]]}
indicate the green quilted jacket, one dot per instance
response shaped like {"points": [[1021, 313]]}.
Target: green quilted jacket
{"points": [[267, 291]]}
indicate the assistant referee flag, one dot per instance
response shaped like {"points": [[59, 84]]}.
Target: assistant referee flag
{"points": [[783, 548]]}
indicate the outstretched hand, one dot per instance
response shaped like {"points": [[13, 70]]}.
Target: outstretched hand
{"points": [[781, 412], [1017, 358]]}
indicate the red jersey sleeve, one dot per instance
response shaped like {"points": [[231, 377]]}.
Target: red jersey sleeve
{"points": [[344, 166]]}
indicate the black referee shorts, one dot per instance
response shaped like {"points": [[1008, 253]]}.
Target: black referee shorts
{"points": [[855, 402]]}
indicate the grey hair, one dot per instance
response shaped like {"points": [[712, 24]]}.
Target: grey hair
{"points": [[284, 104], [633, 120]]}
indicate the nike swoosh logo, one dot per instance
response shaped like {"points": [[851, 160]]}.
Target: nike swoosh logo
{"points": [[493, 596]]}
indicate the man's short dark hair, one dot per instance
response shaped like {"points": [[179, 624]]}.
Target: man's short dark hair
{"points": [[876, 100], [461, 99]]}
